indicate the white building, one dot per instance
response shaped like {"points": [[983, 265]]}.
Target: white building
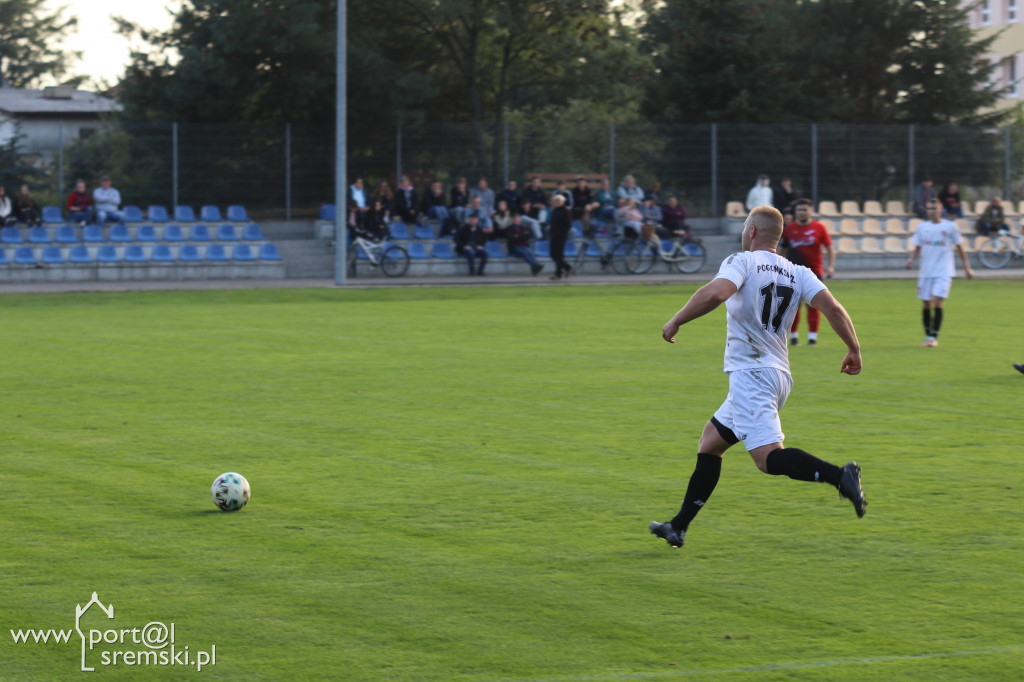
{"points": [[1007, 52], [47, 117]]}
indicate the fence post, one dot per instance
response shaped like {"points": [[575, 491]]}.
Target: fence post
{"points": [[60, 162], [288, 171], [910, 166], [611, 154], [714, 170], [1006, 162], [174, 164], [814, 163]]}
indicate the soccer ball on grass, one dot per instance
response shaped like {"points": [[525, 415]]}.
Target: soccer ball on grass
{"points": [[230, 491]]}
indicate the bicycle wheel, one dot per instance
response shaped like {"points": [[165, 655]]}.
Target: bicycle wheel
{"points": [[688, 257], [617, 253], [995, 253], [641, 256], [394, 260]]}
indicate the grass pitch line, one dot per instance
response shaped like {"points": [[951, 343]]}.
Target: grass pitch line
{"points": [[781, 666]]}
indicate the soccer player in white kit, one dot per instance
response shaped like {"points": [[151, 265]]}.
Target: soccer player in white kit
{"points": [[934, 241], [762, 292]]}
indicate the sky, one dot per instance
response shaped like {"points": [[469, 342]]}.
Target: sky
{"points": [[104, 52]]}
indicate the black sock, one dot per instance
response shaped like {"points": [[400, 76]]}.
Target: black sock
{"points": [[927, 317], [936, 321], [802, 466], [702, 484]]}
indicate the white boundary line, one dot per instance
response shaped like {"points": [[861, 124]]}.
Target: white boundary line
{"points": [[780, 666]]}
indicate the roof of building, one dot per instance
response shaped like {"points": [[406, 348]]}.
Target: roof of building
{"points": [[55, 100]]}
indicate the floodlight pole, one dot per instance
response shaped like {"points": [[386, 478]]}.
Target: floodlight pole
{"points": [[340, 155]]}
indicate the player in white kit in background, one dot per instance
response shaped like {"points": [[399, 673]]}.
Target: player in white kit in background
{"points": [[934, 241], [762, 292]]}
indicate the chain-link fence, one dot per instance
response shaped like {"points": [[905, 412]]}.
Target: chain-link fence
{"points": [[286, 171]]}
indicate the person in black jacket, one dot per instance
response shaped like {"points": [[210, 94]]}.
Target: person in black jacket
{"points": [[470, 241], [517, 238], [406, 206], [561, 223]]}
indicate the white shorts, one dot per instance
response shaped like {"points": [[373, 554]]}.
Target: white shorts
{"points": [[751, 410], [933, 287]]}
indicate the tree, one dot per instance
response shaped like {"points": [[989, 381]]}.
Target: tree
{"points": [[27, 36]]}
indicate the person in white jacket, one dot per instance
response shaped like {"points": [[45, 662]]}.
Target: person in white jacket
{"points": [[760, 194]]}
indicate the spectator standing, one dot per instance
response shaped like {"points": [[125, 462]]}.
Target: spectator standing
{"points": [[358, 201], [405, 206], [802, 242], [561, 223], [760, 194], [486, 195], [935, 240], [630, 190], [608, 200], [583, 203], [517, 236], [470, 243], [26, 209], [923, 193], [950, 198], [675, 218], [784, 197], [511, 197], [992, 219], [79, 205], [107, 202], [535, 201], [561, 190], [7, 216]]}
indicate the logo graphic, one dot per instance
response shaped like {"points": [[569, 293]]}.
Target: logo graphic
{"points": [[79, 612]]}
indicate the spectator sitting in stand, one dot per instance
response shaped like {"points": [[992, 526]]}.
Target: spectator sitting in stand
{"points": [[405, 206], [476, 208], [993, 219], [79, 205], [511, 197], [784, 197], [760, 194], [655, 191], [949, 197], [434, 203], [653, 215], [106, 201], [628, 219], [458, 197], [26, 209], [470, 243], [535, 201], [386, 197], [608, 201], [675, 219], [923, 193], [374, 225], [358, 199], [502, 217], [629, 190], [517, 236], [486, 195], [583, 203], [7, 216]]}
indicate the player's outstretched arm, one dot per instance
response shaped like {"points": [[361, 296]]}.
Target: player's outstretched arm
{"points": [[913, 257], [703, 301], [840, 320], [966, 262]]}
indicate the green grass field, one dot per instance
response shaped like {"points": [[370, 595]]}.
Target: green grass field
{"points": [[455, 484]]}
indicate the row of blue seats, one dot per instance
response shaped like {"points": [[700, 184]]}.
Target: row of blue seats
{"points": [[135, 253], [158, 214], [65, 234]]}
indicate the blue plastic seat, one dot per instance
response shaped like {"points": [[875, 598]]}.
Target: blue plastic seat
{"points": [[52, 215], [199, 233], [417, 250], [209, 214], [242, 252], [494, 250], [145, 233], [79, 254], [442, 250], [184, 214], [161, 254], [226, 232], [52, 256], [107, 253], [400, 231], [173, 233], [133, 253], [571, 250], [237, 214], [66, 235], [38, 235], [157, 214], [119, 233], [252, 233], [188, 253], [542, 248], [216, 253], [11, 235], [422, 232], [3, 258], [92, 233], [269, 252], [132, 214], [592, 250], [24, 255], [327, 212]]}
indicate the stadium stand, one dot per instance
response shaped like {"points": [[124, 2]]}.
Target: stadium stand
{"points": [[119, 233], [38, 235], [184, 214], [399, 231], [161, 253], [870, 245], [237, 214], [157, 214], [442, 249], [215, 253], [417, 250], [11, 235], [849, 227], [252, 233], [542, 248], [146, 233], [894, 245], [51, 256], [52, 215], [269, 252], [873, 228], [846, 245], [133, 253], [107, 253], [828, 209], [132, 214], [495, 250], [92, 234], [173, 233], [423, 232], [79, 254], [226, 233], [209, 214], [242, 252], [65, 235], [895, 226], [199, 233], [896, 208], [24, 255], [873, 208], [188, 253], [851, 209]]}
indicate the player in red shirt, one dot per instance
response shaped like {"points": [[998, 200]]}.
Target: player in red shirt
{"points": [[803, 239]]}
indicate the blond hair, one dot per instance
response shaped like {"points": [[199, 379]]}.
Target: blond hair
{"points": [[768, 222]]}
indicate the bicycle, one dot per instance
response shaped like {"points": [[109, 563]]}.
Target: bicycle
{"points": [[996, 251], [392, 259], [615, 256], [686, 255]]}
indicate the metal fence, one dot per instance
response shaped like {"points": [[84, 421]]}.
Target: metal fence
{"points": [[288, 171]]}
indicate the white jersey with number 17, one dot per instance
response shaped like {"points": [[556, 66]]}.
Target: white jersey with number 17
{"points": [[760, 313]]}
